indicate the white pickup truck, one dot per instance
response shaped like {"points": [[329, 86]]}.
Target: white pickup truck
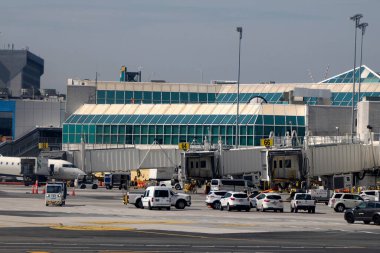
{"points": [[302, 201], [178, 200]]}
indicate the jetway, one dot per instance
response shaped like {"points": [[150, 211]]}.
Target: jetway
{"points": [[124, 160]]}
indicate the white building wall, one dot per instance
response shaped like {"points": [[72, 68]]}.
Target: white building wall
{"points": [[32, 113]]}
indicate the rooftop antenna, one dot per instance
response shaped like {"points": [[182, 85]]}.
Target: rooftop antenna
{"points": [[310, 75], [326, 72]]}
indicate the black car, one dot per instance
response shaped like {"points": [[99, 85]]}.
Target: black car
{"points": [[367, 212]]}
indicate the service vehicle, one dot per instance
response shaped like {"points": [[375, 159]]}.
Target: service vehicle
{"points": [[368, 211], [235, 200], [302, 201], [119, 180], [154, 196], [236, 185], [269, 201], [56, 194], [370, 195], [342, 201], [320, 195], [213, 199]]}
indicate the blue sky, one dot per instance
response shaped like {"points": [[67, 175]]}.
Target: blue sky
{"points": [[183, 40]]}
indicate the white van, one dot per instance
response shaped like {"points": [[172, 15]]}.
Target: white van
{"points": [[370, 195], [237, 185], [156, 197]]}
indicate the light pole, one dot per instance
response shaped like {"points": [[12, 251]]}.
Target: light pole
{"points": [[362, 27], [337, 133], [356, 18], [240, 31]]}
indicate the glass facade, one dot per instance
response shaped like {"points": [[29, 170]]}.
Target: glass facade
{"points": [[366, 76], [172, 129]]}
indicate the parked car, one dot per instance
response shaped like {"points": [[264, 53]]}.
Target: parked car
{"points": [[235, 200], [163, 197], [370, 195], [302, 201], [368, 211], [269, 201], [342, 201], [213, 199], [252, 198]]}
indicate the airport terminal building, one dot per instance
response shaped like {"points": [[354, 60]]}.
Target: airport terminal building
{"points": [[135, 113]]}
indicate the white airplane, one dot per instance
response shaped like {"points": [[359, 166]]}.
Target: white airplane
{"points": [[28, 166]]}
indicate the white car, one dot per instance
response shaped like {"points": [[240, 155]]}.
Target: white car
{"points": [[342, 201], [162, 197], [252, 198], [213, 199], [269, 201], [235, 200]]}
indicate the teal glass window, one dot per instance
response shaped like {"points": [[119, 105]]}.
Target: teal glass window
{"points": [[147, 97], [301, 120], [152, 129], [174, 96], [202, 98], [183, 130], [113, 139], [182, 138], [230, 130], [243, 130], [175, 139], [114, 129], [137, 97], [279, 120], [267, 130], [157, 97], [243, 141], [291, 120], [121, 129], [199, 130], [165, 98], [106, 139], [191, 130], [194, 97], [279, 131], [167, 129], [151, 139], [159, 129], [222, 130], [106, 129], [259, 130], [136, 139], [167, 139], [215, 130], [136, 129], [211, 97], [249, 130], [184, 97], [110, 97], [250, 140], [175, 130], [144, 129], [144, 139], [121, 139], [206, 130], [119, 97]]}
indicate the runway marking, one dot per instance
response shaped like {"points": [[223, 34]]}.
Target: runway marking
{"points": [[141, 222], [93, 228]]}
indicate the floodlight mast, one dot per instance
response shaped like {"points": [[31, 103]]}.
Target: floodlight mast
{"points": [[240, 31], [362, 27], [356, 18]]}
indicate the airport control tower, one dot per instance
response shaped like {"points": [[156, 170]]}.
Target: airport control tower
{"points": [[20, 73]]}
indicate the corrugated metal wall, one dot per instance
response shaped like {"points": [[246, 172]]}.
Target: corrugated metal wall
{"points": [[339, 159], [241, 161], [112, 160]]}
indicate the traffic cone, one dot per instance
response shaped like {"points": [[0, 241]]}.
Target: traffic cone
{"points": [[73, 192]]}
